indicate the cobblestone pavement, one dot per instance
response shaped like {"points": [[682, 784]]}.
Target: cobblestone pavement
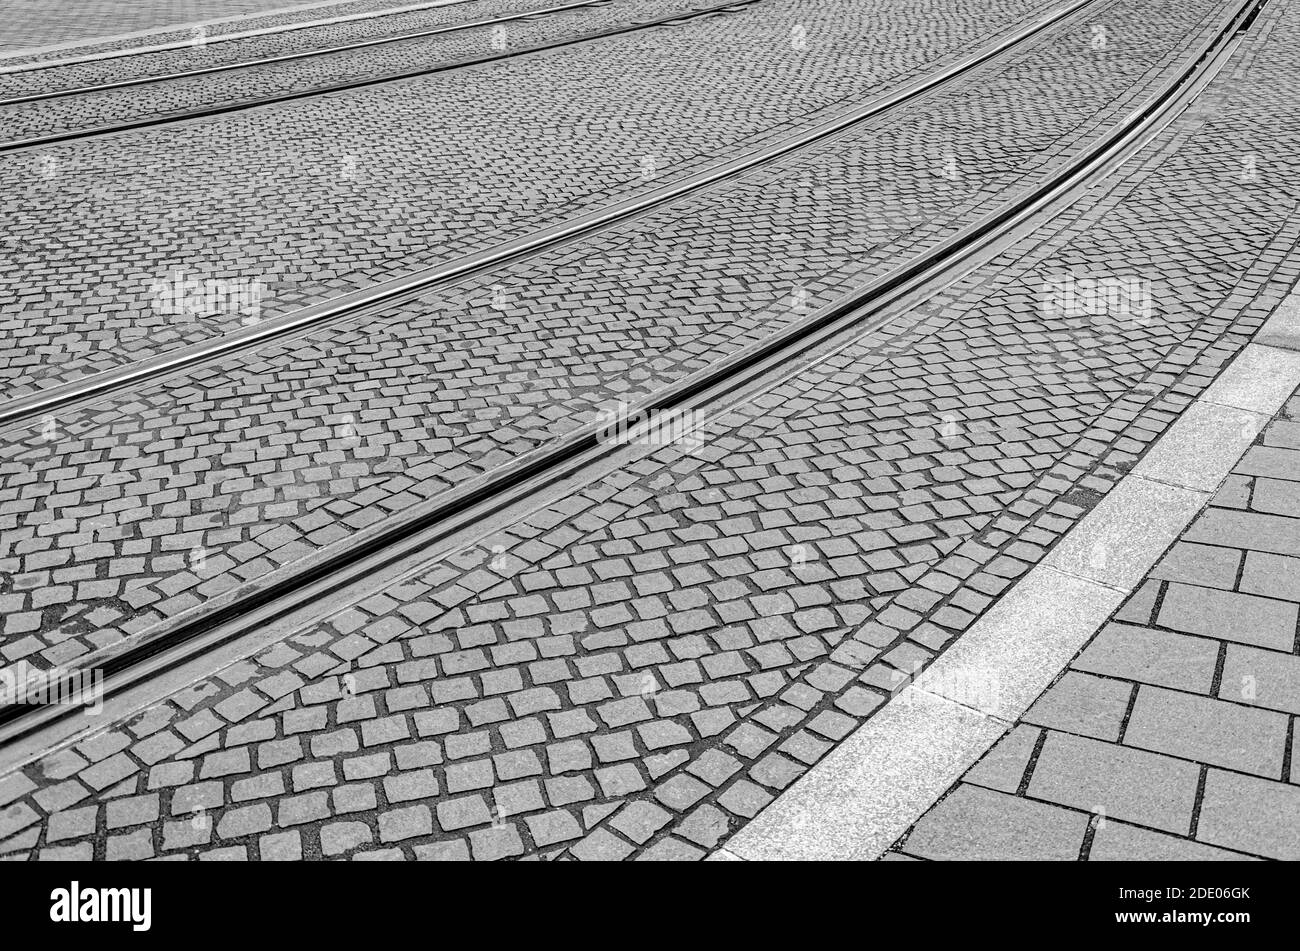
{"points": [[637, 669], [1171, 734], [92, 24], [612, 318], [261, 202], [92, 110], [190, 57]]}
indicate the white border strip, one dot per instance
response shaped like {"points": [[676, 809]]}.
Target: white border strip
{"points": [[869, 790], [190, 27]]}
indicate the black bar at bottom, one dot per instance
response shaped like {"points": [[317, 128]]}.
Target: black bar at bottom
{"points": [[1224, 902]]}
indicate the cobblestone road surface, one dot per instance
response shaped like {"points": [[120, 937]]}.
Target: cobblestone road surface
{"points": [[305, 455], [261, 199], [1172, 734], [91, 25], [276, 43], [92, 110], [639, 668]]}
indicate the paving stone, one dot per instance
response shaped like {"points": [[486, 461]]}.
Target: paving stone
{"points": [[1231, 616], [979, 824], [497, 842], [1246, 530], [616, 747], [601, 846], [454, 851], [1276, 497], [671, 850], [462, 777], [1273, 462], [419, 784], [132, 811], [1126, 784], [618, 781], [199, 796], [1083, 704], [247, 820], [13, 786], [513, 799], [714, 767], [1003, 767], [378, 855], [1120, 842], [1273, 576], [280, 847], [314, 775], [681, 792], [744, 799], [1208, 731], [133, 846], [565, 791], [1261, 678], [396, 825], [107, 772], [323, 745], [83, 852], [1151, 656], [278, 752], [460, 813], [415, 755], [706, 826], [1200, 565], [71, 824], [299, 809], [186, 833], [640, 820], [367, 767], [553, 827], [1251, 815]]}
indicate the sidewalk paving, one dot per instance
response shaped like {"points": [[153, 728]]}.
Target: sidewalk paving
{"points": [[1171, 734]]}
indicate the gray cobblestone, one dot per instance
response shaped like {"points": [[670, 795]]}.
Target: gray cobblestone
{"points": [[708, 665]]}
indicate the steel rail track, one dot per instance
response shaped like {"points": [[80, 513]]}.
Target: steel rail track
{"points": [[290, 57], [200, 112], [398, 290], [441, 518]]}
